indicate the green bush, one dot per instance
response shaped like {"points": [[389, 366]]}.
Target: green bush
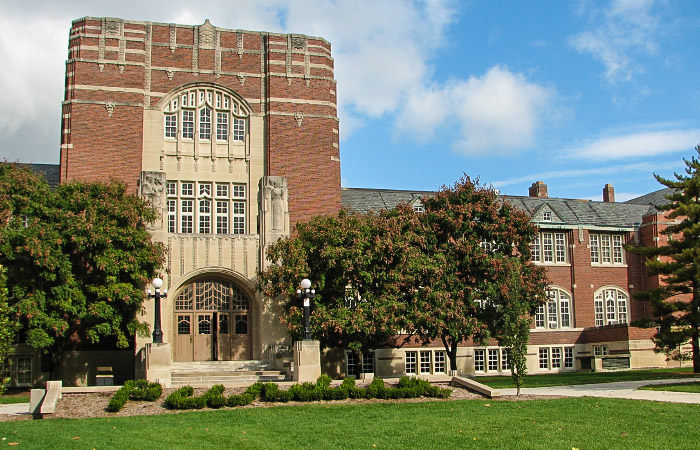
{"points": [[255, 390], [323, 382], [240, 399], [214, 397], [119, 399], [143, 390], [376, 388], [183, 399], [270, 392]]}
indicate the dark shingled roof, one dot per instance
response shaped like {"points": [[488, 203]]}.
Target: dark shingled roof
{"points": [[652, 199], [567, 212], [50, 172]]}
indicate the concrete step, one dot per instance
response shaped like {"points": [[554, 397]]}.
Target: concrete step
{"points": [[202, 379], [220, 366]]}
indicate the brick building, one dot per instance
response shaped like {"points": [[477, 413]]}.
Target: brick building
{"points": [[233, 137], [585, 324]]}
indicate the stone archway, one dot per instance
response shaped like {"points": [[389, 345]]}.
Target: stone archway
{"points": [[212, 321]]}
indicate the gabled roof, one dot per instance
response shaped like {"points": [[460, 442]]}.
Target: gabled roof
{"points": [[568, 212], [50, 172], [653, 199]]}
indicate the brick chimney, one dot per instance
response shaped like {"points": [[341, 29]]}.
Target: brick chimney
{"points": [[538, 189], [609, 194]]}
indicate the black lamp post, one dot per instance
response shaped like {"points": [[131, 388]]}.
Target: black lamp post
{"points": [[306, 294], [157, 332]]}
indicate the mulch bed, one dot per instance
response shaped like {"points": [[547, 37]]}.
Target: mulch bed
{"points": [[95, 404]]}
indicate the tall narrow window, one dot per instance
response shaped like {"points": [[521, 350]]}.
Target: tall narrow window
{"points": [[238, 218], [187, 216], [221, 217], [544, 357], [170, 126], [560, 245], [535, 249], [426, 361], [556, 357], [172, 216], [539, 317], [493, 360], [222, 126], [479, 358], [440, 362], [547, 247], [595, 248], [410, 364], [238, 129], [187, 124], [205, 216], [205, 124]]}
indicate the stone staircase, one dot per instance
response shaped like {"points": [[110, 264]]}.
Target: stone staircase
{"points": [[228, 373]]}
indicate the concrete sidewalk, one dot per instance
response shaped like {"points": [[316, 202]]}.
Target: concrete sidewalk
{"points": [[623, 389], [14, 409]]}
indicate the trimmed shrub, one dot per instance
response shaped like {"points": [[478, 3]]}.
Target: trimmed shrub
{"points": [[323, 382], [376, 389], [183, 399], [119, 399], [270, 392], [143, 390], [214, 397], [240, 399], [255, 390]]}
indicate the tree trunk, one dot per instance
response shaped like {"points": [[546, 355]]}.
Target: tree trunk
{"points": [[695, 336], [451, 349]]}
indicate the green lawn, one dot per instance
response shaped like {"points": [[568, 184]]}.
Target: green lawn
{"points": [[584, 423], [15, 396], [565, 379], [693, 387]]}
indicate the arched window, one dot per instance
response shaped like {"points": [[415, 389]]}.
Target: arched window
{"points": [[556, 313], [195, 111], [610, 306]]}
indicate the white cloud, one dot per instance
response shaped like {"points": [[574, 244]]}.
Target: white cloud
{"points": [[500, 111], [627, 28], [644, 168], [636, 145]]}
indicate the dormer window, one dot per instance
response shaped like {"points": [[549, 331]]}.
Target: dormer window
{"points": [[547, 216]]}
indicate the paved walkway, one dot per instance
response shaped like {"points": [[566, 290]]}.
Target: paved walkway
{"points": [[15, 409], [623, 389]]}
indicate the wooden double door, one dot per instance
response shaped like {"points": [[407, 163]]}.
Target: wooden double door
{"points": [[212, 323]]}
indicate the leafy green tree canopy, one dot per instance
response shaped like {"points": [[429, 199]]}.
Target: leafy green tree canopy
{"points": [[676, 302], [480, 281], [77, 257], [363, 268]]}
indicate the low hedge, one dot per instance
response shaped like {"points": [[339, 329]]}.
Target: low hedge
{"points": [[134, 390], [305, 392]]}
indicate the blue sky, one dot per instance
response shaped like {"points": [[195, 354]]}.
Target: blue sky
{"points": [[576, 94]]}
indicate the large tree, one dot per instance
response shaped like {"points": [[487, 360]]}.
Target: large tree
{"points": [[676, 302], [363, 268], [7, 327], [77, 258], [479, 282]]}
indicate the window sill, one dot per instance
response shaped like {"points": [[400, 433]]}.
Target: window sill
{"points": [[549, 264], [608, 265]]}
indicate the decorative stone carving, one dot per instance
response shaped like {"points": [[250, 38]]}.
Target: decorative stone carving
{"points": [[151, 189], [239, 42], [241, 78], [275, 207], [109, 106], [112, 27], [173, 37], [299, 118], [207, 34], [298, 42], [170, 73]]}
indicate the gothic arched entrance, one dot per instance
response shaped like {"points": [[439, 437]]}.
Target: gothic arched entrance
{"points": [[212, 322]]}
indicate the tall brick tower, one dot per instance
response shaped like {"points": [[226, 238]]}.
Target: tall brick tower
{"points": [[118, 71], [232, 136]]}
